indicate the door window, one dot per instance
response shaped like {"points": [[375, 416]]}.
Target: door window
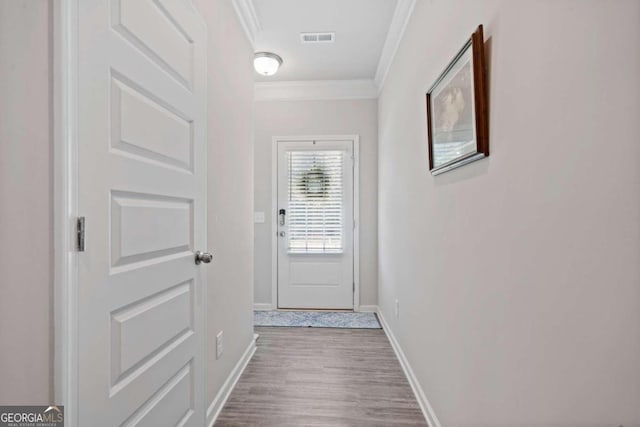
{"points": [[315, 192]]}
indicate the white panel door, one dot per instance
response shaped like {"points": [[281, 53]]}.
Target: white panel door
{"points": [[315, 224], [142, 173]]}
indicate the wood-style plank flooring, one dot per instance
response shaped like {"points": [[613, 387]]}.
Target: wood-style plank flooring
{"points": [[322, 377]]}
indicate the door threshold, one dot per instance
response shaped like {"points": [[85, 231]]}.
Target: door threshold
{"points": [[346, 310]]}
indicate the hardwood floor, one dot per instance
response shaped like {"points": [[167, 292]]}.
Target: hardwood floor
{"points": [[322, 377]]}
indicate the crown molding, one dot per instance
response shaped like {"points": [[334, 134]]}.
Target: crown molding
{"points": [[248, 19], [399, 23], [315, 90]]}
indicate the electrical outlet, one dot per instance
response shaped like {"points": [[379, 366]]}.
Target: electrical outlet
{"points": [[397, 309], [219, 345]]}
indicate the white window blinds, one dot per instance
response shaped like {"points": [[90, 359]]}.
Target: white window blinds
{"points": [[315, 201]]}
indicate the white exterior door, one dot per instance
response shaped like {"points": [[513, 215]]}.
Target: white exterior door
{"points": [[142, 172], [315, 224]]}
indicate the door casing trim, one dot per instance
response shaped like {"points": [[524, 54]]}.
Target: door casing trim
{"points": [[65, 207], [356, 209]]}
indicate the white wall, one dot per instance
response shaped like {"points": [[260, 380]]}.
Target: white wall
{"points": [[230, 190], [518, 276], [340, 117], [26, 253]]}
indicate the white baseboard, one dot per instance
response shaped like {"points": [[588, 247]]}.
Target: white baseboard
{"points": [[261, 306], [368, 309], [225, 391], [427, 410]]}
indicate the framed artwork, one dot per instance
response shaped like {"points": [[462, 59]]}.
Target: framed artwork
{"points": [[457, 122]]}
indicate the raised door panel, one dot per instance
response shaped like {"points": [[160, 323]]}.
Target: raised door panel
{"points": [[171, 405], [149, 129], [152, 28], [149, 327], [147, 227]]}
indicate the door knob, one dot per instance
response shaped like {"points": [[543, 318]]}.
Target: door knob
{"points": [[282, 234], [205, 257]]}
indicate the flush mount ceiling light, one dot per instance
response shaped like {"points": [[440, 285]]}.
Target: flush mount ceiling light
{"points": [[266, 63]]}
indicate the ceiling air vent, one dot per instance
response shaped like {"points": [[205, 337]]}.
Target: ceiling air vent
{"points": [[317, 37]]}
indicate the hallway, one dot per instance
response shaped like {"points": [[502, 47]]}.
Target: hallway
{"points": [[322, 376], [206, 202]]}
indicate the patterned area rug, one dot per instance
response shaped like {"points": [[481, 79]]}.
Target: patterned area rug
{"points": [[317, 319]]}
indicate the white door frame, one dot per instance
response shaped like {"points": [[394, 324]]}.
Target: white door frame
{"points": [[65, 210], [65, 199], [356, 209]]}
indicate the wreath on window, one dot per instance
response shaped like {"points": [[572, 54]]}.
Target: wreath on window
{"points": [[313, 183]]}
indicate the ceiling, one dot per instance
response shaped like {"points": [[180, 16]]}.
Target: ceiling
{"points": [[360, 27]]}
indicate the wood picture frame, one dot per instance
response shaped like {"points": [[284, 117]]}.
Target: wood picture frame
{"points": [[457, 116]]}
